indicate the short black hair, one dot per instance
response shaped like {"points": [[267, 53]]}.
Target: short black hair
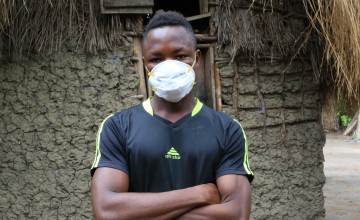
{"points": [[169, 18]]}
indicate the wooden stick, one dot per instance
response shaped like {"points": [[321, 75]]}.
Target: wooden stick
{"points": [[352, 125], [212, 78], [132, 34], [203, 37], [234, 89], [212, 9], [357, 131], [217, 89], [197, 17], [140, 68], [204, 45]]}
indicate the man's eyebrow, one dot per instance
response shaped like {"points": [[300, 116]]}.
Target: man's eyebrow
{"points": [[178, 49], [154, 53]]}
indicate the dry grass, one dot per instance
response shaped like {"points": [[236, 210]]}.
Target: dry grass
{"points": [[249, 25], [259, 26], [337, 22], [46, 25]]}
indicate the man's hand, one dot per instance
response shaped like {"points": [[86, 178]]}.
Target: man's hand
{"points": [[210, 193], [235, 191]]}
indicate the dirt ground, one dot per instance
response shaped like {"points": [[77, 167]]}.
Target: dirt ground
{"points": [[342, 171]]}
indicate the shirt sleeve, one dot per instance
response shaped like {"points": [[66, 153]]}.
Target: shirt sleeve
{"points": [[235, 156], [110, 150]]}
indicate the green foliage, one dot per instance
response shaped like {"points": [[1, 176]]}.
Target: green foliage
{"points": [[344, 119]]}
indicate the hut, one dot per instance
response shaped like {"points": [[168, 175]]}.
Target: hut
{"points": [[66, 65]]}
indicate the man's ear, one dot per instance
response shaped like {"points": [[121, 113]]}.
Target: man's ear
{"points": [[198, 58]]}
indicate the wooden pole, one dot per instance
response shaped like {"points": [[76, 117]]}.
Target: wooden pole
{"points": [[357, 131], [217, 82], [139, 67], [352, 125], [217, 89]]}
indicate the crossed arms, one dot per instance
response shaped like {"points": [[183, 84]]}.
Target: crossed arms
{"points": [[230, 198]]}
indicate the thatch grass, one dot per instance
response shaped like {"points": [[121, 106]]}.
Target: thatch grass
{"points": [[327, 31], [337, 22], [48, 24], [253, 27]]}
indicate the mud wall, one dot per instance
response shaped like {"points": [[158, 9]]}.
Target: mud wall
{"points": [[51, 106], [279, 106], [329, 119]]}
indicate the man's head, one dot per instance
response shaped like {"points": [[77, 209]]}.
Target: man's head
{"points": [[170, 18], [169, 36]]}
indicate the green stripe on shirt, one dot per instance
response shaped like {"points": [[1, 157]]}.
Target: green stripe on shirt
{"points": [[98, 151], [246, 157]]}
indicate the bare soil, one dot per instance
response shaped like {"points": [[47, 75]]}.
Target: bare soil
{"points": [[342, 171]]}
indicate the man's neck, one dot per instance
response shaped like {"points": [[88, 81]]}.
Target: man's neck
{"points": [[173, 111]]}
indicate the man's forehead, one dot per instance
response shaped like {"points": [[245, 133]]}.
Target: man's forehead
{"points": [[166, 33], [167, 30]]}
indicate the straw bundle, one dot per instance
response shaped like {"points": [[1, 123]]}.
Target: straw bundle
{"points": [[259, 26], [337, 22], [48, 25]]}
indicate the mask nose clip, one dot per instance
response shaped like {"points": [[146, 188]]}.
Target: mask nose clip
{"points": [[188, 70]]}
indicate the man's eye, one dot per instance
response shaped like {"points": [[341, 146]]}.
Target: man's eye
{"points": [[181, 57], [155, 60]]}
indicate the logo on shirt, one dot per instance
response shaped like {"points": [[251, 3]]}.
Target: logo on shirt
{"points": [[173, 154]]}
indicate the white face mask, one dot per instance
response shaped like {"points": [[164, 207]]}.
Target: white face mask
{"points": [[172, 80]]}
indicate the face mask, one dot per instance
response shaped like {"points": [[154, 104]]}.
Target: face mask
{"points": [[172, 80]]}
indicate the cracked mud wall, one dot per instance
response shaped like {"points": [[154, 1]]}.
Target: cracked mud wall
{"points": [[51, 106], [279, 107]]}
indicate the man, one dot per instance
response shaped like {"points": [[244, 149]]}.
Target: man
{"points": [[171, 157]]}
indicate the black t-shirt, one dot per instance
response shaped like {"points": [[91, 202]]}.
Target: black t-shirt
{"points": [[160, 156]]}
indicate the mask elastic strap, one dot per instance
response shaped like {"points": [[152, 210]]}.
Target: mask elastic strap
{"points": [[192, 66], [149, 73], [189, 70]]}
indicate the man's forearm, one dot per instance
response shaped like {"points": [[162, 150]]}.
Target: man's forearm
{"points": [[232, 210], [165, 205], [235, 191]]}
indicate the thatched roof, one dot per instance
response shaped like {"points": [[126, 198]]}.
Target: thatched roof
{"points": [[327, 30], [252, 26], [48, 24], [242, 25], [337, 24]]}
